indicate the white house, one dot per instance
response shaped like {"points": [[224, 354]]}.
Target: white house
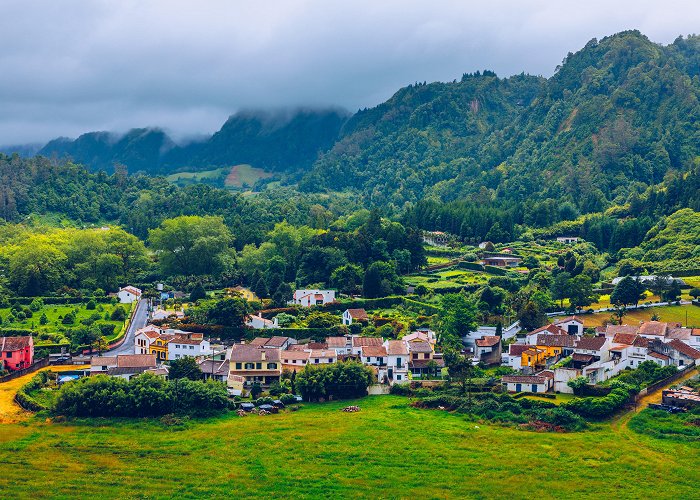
{"points": [[307, 298], [571, 325], [259, 323], [359, 342], [341, 345], [397, 360], [541, 382], [378, 357], [567, 240], [192, 345], [129, 295], [515, 355], [322, 356], [350, 315], [562, 377], [102, 364]]}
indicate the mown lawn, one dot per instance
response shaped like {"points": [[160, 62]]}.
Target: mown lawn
{"points": [[55, 315], [673, 314], [388, 450]]}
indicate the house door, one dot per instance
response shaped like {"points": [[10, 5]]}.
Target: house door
{"points": [[391, 374], [518, 387], [534, 387]]}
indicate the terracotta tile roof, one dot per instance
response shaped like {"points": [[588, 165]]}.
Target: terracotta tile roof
{"points": [[423, 363], [612, 330], [565, 340], [684, 348], [488, 341], [241, 353], [591, 343], [219, 367], [131, 289], [136, 361], [552, 329], [322, 353], [680, 333], [582, 358], [151, 334], [295, 355], [641, 342], [317, 346], [658, 355], [103, 361], [566, 320], [696, 332], [620, 347], [625, 338], [297, 347], [276, 341], [259, 341], [336, 342], [524, 379], [415, 336], [517, 349], [15, 343], [366, 341], [420, 346], [376, 351], [656, 328], [546, 374], [358, 314], [396, 348], [127, 370], [184, 339]]}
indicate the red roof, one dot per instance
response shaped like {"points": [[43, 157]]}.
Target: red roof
{"points": [[554, 329], [376, 351], [658, 355], [358, 314], [565, 340], [366, 341], [517, 349], [657, 328], [590, 343], [625, 338], [15, 343], [488, 341], [684, 348]]}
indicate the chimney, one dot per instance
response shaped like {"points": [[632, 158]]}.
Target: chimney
{"points": [[263, 354]]}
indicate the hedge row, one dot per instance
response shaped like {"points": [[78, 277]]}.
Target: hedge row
{"points": [[380, 303], [59, 300], [15, 332]]}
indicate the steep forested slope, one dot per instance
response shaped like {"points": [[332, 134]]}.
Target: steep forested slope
{"points": [[282, 140], [615, 118]]}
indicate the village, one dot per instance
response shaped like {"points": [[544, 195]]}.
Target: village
{"points": [[543, 361]]}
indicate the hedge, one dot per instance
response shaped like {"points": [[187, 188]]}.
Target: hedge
{"points": [[473, 266], [380, 303], [15, 332], [59, 300]]}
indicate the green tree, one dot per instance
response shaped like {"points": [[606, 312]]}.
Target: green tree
{"points": [[380, 280], [581, 291], [198, 292], [628, 291], [348, 279], [191, 244], [185, 367], [560, 287], [458, 317], [119, 314], [531, 316]]}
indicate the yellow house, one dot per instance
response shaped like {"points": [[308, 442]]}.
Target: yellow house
{"points": [[159, 348]]}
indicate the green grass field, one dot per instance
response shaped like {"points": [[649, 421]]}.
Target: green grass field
{"points": [[388, 450], [235, 177], [54, 315], [672, 314]]}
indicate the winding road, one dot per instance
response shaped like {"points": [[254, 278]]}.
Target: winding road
{"points": [[138, 321]]}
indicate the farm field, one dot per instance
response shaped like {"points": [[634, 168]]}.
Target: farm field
{"points": [[51, 332], [235, 177], [386, 450], [673, 314]]}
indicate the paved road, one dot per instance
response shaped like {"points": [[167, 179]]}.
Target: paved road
{"points": [[610, 309], [139, 321]]}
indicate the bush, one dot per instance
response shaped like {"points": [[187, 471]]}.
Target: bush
{"points": [[91, 305], [68, 319], [288, 399], [335, 380], [119, 314], [144, 396], [263, 401]]}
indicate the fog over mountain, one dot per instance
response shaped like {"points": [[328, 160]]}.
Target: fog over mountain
{"points": [[73, 67]]}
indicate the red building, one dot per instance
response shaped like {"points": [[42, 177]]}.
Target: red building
{"points": [[16, 352]]}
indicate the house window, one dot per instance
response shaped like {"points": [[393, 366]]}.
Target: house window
{"points": [[192, 347], [316, 360], [398, 377], [8, 354], [258, 366], [380, 361], [271, 366], [415, 355], [249, 366], [238, 366]]}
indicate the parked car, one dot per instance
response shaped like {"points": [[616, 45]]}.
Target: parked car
{"points": [[277, 403], [270, 408], [298, 399], [247, 406]]}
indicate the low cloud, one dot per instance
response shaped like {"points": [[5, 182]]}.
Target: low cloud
{"points": [[75, 66]]}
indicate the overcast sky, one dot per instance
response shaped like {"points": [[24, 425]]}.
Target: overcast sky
{"points": [[68, 67]]}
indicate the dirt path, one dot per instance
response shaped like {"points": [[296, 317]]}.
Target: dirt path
{"points": [[619, 424], [10, 412]]}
